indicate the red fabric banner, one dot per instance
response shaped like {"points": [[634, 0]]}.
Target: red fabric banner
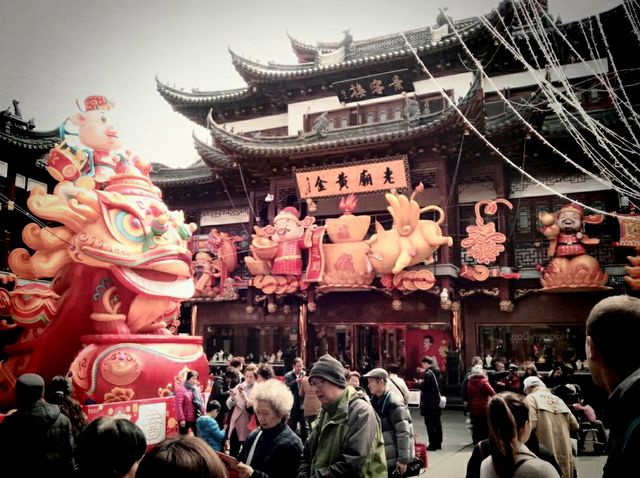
{"points": [[315, 267]]}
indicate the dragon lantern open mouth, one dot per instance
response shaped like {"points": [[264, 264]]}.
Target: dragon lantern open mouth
{"points": [[164, 273], [155, 283]]}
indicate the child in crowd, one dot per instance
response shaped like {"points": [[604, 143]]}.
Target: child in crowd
{"points": [[208, 428]]}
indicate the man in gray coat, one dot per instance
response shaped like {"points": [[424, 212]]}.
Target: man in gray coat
{"points": [[397, 427]]}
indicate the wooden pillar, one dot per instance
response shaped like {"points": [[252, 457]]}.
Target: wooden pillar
{"points": [[443, 184], [194, 319], [503, 224]]}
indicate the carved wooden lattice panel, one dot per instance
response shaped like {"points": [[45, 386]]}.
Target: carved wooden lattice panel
{"points": [[283, 193], [528, 254], [428, 177]]}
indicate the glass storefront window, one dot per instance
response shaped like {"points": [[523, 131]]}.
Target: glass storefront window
{"points": [[542, 344]]}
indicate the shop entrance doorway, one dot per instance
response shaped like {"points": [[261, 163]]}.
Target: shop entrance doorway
{"points": [[379, 346]]}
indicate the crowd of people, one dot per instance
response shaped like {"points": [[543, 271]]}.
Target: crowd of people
{"points": [[332, 422]]}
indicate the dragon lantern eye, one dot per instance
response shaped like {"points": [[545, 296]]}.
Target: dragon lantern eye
{"points": [[103, 119], [129, 226]]}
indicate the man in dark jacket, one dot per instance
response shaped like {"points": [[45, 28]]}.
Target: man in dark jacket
{"points": [[220, 393], [430, 405], [36, 439], [292, 380], [346, 440], [397, 428], [612, 332]]}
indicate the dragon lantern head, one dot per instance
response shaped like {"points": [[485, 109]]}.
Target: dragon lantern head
{"points": [[125, 228]]}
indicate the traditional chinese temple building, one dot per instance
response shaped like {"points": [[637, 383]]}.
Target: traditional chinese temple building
{"points": [[23, 152], [363, 117]]}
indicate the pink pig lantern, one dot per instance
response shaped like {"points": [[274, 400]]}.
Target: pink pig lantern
{"points": [[91, 150]]}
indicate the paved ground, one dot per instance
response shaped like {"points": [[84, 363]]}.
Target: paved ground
{"points": [[451, 461]]}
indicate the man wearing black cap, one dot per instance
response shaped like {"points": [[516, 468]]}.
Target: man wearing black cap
{"points": [[36, 437], [346, 440]]}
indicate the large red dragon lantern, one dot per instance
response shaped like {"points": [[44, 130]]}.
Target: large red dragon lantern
{"points": [[120, 268]]}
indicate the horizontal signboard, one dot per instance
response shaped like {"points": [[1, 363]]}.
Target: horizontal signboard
{"points": [[354, 178], [374, 86]]}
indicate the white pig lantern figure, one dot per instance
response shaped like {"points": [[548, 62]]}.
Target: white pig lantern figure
{"points": [[91, 151]]}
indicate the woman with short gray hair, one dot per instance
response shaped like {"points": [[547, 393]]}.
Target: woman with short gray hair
{"points": [[273, 450]]}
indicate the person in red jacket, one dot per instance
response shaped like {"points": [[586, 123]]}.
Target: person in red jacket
{"points": [[189, 404], [479, 392], [511, 382]]}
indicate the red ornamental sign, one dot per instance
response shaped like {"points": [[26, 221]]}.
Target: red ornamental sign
{"points": [[155, 416], [354, 178], [629, 230]]}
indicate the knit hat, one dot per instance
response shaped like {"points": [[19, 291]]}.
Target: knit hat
{"points": [[329, 369], [533, 382], [377, 373], [29, 388]]}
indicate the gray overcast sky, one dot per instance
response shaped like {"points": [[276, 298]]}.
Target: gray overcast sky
{"points": [[54, 51]]}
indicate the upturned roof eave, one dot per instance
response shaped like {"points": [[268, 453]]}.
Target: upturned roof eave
{"points": [[41, 141], [212, 156], [253, 72], [347, 137], [179, 97]]}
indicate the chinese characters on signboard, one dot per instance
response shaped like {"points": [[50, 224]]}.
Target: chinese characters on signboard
{"points": [[387, 173], [374, 86]]}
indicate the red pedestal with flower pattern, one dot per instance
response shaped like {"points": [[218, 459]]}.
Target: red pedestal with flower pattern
{"points": [[156, 417], [114, 368]]}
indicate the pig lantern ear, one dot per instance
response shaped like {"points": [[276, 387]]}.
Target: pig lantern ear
{"points": [[78, 119]]}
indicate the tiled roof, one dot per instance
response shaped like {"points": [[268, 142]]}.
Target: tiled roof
{"points": [[366, 53], [40, 141], [254, 72], [211, 155], [554, 126], [350, 136], [533, 110], [178, 96], [381, 44], [163, 176]]}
